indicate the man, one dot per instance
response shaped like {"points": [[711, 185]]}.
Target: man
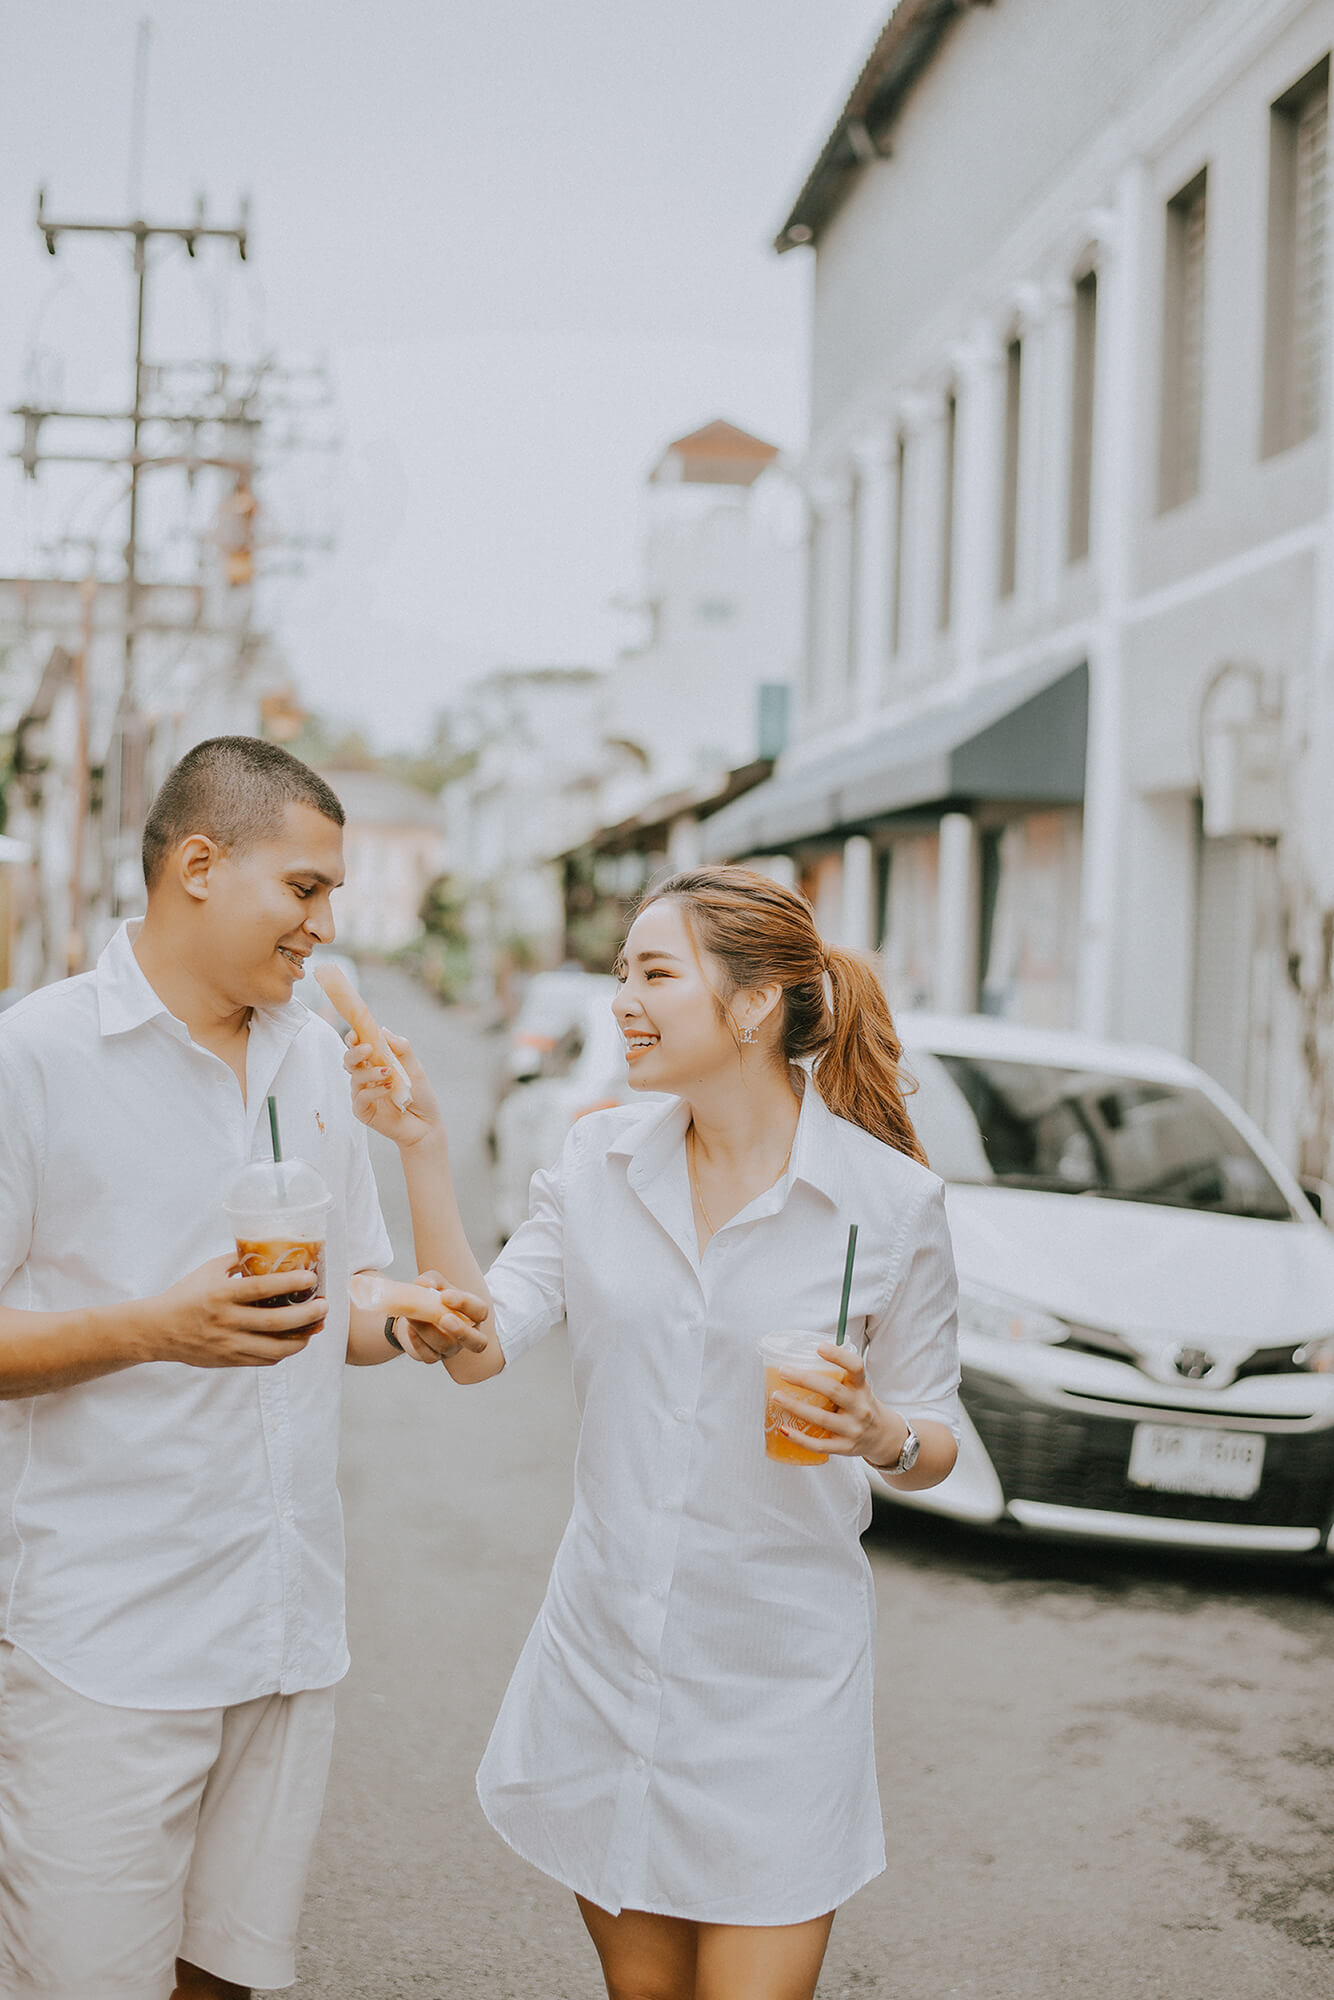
{"points": [[171, 1557]]}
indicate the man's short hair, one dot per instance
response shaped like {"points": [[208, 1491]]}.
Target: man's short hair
{"points": [[235, 790]]}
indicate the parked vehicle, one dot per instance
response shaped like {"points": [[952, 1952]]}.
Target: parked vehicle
{"points": [[1146, 1297], [552, 1003], [582, 1069]]}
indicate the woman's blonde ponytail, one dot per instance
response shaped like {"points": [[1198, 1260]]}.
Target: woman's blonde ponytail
{"points": [[859, 1074]]}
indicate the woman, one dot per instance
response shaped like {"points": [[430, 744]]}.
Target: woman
{"points": [[686, 1741]]}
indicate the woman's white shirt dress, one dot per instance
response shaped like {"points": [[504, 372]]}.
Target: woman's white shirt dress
{"points": [[709, 1621]]}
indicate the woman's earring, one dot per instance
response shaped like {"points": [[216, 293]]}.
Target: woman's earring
{"points": [[748, 1035]]}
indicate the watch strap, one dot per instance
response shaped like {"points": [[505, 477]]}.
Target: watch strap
{"points": [[907, 1457]]}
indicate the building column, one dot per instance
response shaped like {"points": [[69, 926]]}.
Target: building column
{"points": [[828, 675], [683, 844], [1051, 464], [873, 527], [1040, 484], [979, 459], [780, 868], [1116, 433], [855, 925], [957, 916], [922, 422]]}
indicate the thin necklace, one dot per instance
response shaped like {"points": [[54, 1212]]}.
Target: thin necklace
{"points": [[694, 1176]]}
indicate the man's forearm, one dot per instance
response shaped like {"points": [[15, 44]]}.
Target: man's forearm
{"points": [[366, 1343], [44, 1351]]}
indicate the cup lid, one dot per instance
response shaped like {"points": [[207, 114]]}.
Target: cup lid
{"points": [[278, 1184]]}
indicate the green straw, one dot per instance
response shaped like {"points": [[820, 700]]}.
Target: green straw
{"points": [[277, 1145], [847, 1282]]}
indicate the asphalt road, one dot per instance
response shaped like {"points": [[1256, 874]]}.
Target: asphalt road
{"points": [[1106, 1775]]}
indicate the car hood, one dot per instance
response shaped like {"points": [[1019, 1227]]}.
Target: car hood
{"points": [[1229, 1283]]}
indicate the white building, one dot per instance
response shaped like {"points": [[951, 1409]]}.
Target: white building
{"points": [[393, 849], [706, 690], [534, 789], [1066, 717]]}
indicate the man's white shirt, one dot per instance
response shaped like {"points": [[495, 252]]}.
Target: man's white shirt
{"points": [[170, 1536]]}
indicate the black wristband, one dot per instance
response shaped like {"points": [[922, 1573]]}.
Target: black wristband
{"points": [[397, 1345]]}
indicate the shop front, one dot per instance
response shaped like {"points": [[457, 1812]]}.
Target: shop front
{"points": [[951, 845]]}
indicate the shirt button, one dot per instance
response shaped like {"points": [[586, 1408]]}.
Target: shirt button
{"points": [[646, 1673], [639, 1763], [681, 1414], [659, 1591]]}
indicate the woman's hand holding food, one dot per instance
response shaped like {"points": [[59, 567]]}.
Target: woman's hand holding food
{"points": [[456, 1326], [372, 1092], [430, 1318], [859, 1426]]}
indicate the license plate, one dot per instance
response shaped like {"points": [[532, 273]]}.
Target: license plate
{"points": [[1222, 1465]]}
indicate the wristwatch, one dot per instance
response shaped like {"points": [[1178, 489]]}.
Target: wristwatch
{"points": [[907, 1458]]}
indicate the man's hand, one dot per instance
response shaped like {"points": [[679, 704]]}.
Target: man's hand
{"points": [[217, 1319]]}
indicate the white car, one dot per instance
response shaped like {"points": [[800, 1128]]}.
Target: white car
{"points": [[1146, 1321], [582, 1070], [551, 1004]]}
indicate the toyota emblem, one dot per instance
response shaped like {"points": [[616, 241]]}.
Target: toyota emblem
{"points": [[1193, 1363]]}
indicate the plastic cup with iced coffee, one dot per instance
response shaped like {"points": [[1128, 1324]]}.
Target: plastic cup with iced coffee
{"points": [[781, 1352], [279, 1210]]}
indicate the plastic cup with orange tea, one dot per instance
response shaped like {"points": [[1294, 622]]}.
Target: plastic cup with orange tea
{"points": [[344, 998], [279, 1213], [798, 1347]]}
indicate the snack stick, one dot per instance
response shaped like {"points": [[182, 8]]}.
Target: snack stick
{"points": [[358, 1016], [377, 1294]]}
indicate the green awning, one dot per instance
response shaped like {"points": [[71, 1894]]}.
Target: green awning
{"points": [[1023, 739]]}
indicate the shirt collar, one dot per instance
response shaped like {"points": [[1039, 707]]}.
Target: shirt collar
{"points": [[126, 999], [818, 1154]]}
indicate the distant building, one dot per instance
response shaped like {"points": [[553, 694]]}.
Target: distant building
{"points": [[393, 849], [541, 759], [706, 688], [1064, 729], [15, 860]]}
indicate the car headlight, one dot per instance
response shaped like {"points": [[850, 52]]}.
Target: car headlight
{"points": [[1002, 1317], [1316, 1355]]}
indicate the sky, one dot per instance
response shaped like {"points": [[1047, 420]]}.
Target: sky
{"points": [[531, 241]]}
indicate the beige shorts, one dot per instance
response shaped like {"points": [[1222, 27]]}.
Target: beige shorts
{"points": [[129, 1836]]}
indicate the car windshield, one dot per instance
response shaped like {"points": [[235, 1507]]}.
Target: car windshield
{"points": [[1073, 1131]]}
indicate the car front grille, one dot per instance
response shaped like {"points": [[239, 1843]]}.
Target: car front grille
{"points": [[1070, 1459]]}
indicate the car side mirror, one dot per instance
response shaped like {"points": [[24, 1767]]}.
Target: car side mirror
{"points": [[1320, 1195]]}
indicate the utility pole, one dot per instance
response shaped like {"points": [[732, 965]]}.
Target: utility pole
{"points": [[129, 778]]}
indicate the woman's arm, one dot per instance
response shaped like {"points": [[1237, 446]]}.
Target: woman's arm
{"points": [[438, 1238], [861, 1426], [911, 1365]]}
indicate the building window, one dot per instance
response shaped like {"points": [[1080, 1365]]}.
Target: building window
{"points": [[1183, 345], [945, 605], [852, 624], [1009, 521], [1081, 417], [896, 547], [1295, 302]]}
